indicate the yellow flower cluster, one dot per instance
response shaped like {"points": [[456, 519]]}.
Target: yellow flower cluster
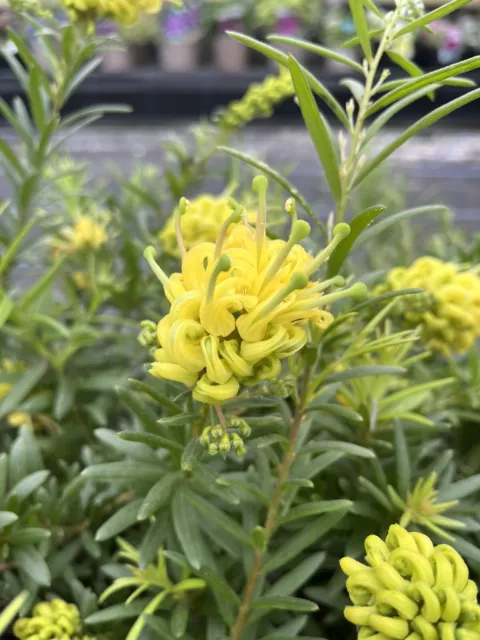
{"points": [[201, 222], [123, 11], [241, 306], [411, 590], [450, 322], [259, 101], [54, 620], [16, 418], [85, 235]]}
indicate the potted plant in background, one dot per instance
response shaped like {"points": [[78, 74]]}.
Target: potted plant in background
{"points": [[337, 28], [181, 33], [228, 54], [115, 57], [290, 18], [141, 39]]}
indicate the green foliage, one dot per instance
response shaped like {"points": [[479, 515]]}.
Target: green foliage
{"points": [[232, 520]]}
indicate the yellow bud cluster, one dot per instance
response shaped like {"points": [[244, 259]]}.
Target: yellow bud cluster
{"points": [[201, 222], [411, 590], [452, 322], [259, 101], [17, 418], [54, 620], [241, 306], [123, 11], [86, 234]]}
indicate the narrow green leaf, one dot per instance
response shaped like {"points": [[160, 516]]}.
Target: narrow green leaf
{"points": [[124, 472], [387, 114], [139, 408], [357, 226], [29, 485], [179, 420], [35, 98], [15, 123], [153, 540], [192, 454], [286, 603], [396, 218], [8, 615], [82, 75], [152, 440], [96, 110], [321, 463], [402, 460], [28, 535], [414, 129], [348, 448], [156, 395], [295, 579], [42, 287], [355, 87], [7, 518], [302, 540], [160, 627], [64, 398], [430, 17], [426, 79], [313, 509], [247, 487], [187, 530], [278, 56], [32, 563], [283, 182], [22, 388], [117, 612], [219, 585], [158, 496], [317, 49], [362, 371], [361, 27], [179, 619], [461, 489], [393, 401], [6, 308], [11, 159], [317, 129], [15, 245], [123, 519], [224, 521], [375, 492]]}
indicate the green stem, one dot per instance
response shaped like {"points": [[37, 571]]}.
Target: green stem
{"points": [[351, 162], [273, 511]]}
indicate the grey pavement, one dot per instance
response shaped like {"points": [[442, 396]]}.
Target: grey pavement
{"points": [[440, 166]]}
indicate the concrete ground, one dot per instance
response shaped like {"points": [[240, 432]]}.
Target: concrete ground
{"points": [[442, 166]]}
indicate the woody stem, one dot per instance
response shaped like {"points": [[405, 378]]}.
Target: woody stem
{"points": [[272, 513]]}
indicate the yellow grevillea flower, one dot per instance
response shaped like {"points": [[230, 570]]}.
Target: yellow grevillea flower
{"points": [[201, 222], [259, 101], [449, 313], [17, 418], [123, 11], [411, 590], [56, 620], [86, 234], [241, 306]]}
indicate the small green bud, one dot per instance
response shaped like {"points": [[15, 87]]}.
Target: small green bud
{"points": [[241, 452], [205, 437], [237, 442], [217, 432], [225, 444], [212, 449]]}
